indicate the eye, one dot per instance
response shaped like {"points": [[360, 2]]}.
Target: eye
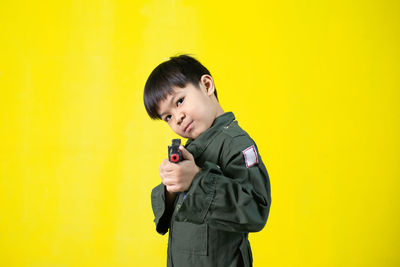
{"points": [[167, 118], [180, 101]]}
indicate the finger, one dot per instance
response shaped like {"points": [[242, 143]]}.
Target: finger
{"points": [[165, 163], [162, 165], [172, 188], [166, 181], [166, 166], [186, 154]]}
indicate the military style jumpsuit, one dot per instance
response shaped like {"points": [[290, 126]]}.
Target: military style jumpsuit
{"points": [[228, 198]]}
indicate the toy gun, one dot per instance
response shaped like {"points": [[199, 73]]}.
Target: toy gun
{"points": [[174, 154]]}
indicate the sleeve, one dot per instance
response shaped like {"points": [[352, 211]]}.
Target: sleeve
{"points": [[162, 217], [236, 199]]}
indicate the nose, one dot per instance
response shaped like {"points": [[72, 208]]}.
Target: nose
{"points": [[179, 117]]}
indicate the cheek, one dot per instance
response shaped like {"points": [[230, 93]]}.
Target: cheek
{"points": [[200, 111]]}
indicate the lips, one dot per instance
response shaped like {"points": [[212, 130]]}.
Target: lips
{"points": [[189, 126]]}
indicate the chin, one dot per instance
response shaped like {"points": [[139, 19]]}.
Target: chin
{"points": [[191, 135], [187, 136], [194, 136]]}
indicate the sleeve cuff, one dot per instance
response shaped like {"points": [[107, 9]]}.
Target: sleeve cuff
{"points": [[158, 205]]}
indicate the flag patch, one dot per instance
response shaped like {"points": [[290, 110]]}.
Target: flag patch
{"points": [[250, 156]]}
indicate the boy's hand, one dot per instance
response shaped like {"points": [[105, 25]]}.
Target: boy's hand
{"points": [[178, 177]]}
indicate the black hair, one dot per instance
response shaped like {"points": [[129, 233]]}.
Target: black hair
{"points": [[178, 71]]}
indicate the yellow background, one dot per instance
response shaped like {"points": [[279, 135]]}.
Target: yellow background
{"points": [[315, 83]]}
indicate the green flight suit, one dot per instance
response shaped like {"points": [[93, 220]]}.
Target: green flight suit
{"points": [[228, 198]]}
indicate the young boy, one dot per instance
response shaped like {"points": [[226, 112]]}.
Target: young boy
{"points": [[220, 192]]}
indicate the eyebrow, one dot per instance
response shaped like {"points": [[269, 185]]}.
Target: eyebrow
{"points": [[170, 102]]}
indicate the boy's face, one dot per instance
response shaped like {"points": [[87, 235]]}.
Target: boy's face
{"points": [[190, 111]]}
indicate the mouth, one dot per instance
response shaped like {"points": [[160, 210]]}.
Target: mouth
{"points": [[188, 127]]}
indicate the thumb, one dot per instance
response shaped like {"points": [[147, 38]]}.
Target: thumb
{"points": [[186, 154]]}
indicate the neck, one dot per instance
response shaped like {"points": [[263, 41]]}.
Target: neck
{"points": [[220, 111]]}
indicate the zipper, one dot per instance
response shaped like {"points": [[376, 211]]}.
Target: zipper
{"points": [[181, 198]]}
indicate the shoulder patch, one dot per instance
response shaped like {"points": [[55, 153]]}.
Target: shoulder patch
{"points": [[250, 156]]}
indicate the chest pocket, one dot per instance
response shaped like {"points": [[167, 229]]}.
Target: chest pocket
{"points": [[190, 238]]}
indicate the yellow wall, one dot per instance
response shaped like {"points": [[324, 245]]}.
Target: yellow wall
{"points": [[315, 83]]}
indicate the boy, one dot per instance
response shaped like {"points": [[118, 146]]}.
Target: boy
{"points": [[220, 192]]}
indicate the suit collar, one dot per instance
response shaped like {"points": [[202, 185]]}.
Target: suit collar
{"points": [[198, 145]]}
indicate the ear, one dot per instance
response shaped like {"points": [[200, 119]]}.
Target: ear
{"points": [[207, 82]]}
